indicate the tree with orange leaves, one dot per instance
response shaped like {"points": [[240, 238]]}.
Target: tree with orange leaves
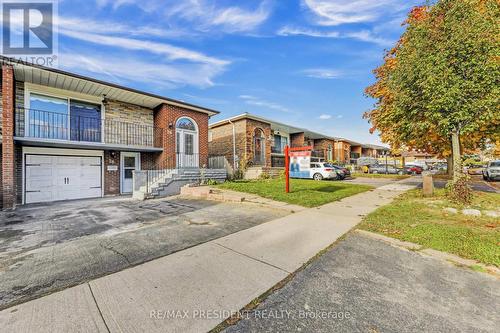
{"points": [[438, 88]]}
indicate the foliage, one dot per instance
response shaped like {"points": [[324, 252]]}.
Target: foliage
{"points": [[211, 182], [264, 175], [459, 191], [442, 76], [421, 220], [304, 192]]}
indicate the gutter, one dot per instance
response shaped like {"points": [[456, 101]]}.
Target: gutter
{"points": [[234, 145]]}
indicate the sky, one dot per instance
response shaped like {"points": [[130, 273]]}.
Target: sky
{"points": [[302, 62]]}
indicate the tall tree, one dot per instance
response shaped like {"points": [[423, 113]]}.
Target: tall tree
{"points": [[441, 81]]}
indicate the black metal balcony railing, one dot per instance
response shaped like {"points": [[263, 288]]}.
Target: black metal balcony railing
{"points": [[60, 126]]}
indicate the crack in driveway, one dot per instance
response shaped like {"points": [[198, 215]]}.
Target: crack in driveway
{"points": [[110, 248]]}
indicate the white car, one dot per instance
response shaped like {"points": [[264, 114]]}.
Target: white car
{"points": [[320, 171], [492, 171]]}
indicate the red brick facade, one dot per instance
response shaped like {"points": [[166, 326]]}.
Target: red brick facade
{"points": [[8, 149], [166, 117], [221, 142], [326, 147], [265, 128], [111, 177], [297, 140]]}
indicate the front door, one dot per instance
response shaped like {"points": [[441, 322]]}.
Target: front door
{"points": [[129, 163], [187, 149]]}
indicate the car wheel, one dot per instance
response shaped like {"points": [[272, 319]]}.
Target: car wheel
{"points": [[317, 176]]}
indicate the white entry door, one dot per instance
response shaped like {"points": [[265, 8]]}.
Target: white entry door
{"points": [[129, 163], [51, 178]]}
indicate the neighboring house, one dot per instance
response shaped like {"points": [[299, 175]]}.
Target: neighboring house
{"points": [[65, 136], [254, 142]]}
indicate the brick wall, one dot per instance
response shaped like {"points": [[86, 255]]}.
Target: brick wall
{"points": [[121, 111], [111, 178], [297, 139], [324, 145], [166, 117], [251, 126], [148, 160], [19, 109], [8, 151], [222, 141], [342, 152]]}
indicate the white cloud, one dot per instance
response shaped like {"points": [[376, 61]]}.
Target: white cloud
{"points": [[112, 28], [203, 15], [322, 73], [148, 61], [325, 117], [363, 35], [337, 12], [130, 69], [291, 31], [171, 52], [252, 100]]}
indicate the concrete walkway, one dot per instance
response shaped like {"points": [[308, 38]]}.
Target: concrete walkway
{"points": [[196, 289]]}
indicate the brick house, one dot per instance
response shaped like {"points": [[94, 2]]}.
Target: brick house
{"points": [[66, 136], [257, 144], [254, 142]]}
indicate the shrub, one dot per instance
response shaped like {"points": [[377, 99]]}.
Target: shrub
{"points": [[264, 175], [459, 191], [211, 182]]}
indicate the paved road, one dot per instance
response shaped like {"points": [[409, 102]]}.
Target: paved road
{"points": [[49, 247], [375, 287]]}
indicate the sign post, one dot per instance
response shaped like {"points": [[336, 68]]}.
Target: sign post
{"points": [[287, 168], [300, 168]]}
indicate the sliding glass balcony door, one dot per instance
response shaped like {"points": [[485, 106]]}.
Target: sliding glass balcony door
{"points": [[63, 119], [48, 117], [85, 121]]}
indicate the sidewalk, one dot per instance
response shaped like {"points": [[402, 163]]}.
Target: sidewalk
{"points": [[194, 290]]}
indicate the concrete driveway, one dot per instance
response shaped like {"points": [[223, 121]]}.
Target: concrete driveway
{"points": [[365, 285], [49, 247]]}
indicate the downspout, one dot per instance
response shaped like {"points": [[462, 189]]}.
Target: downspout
{"points": [[234, 145]]}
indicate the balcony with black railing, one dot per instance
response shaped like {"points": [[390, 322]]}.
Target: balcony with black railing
{"points": [[47, 125]]}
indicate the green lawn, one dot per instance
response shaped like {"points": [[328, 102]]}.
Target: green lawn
{"points": [[422, 220], [379, 175], [303, 192]]}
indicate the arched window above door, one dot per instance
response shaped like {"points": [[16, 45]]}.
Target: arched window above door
{"points": [[186, 124]]}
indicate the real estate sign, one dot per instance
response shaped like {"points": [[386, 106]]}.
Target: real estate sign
{"points": [[300, 164]]}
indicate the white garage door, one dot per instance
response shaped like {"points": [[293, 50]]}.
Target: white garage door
{"points": [[51, 178]]}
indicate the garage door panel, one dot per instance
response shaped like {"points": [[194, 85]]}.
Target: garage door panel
{"points": [[62, 178], [39, 172], [39, 159], [91, 161], [39, 184], [69, 161], [42, 196]]}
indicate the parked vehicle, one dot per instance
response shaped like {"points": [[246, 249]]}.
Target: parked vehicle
{"points": [[389, 169], [346, 172], [492, 171], [413, 170], [320, 171], [475, 169]]}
